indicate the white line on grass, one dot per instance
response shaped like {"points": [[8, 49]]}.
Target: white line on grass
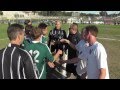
{"points": [[111, 35], [97, 37], [108, 39], [117, 35], [3, 38]]}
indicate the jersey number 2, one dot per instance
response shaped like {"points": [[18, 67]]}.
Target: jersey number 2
{"points": [[36, 53]]}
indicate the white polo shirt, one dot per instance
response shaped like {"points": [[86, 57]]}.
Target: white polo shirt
{"points": [[97, 59], [82, 49]]}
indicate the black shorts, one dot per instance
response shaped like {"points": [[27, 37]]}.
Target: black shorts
{"points": [[71, 68]]}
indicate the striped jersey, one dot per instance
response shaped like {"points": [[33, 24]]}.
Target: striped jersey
{"points": [[16, 63]]}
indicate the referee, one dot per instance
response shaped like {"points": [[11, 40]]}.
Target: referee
{"points": [[16, 63]]}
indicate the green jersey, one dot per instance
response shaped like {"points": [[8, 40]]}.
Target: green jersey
{"points": [[43, 39], [26, 42], [39, 53]]}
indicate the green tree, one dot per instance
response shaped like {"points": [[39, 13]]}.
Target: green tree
{"points": [[103, 13], [1, 13]]}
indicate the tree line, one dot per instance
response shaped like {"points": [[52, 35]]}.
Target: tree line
{"points": [[63, 13]]}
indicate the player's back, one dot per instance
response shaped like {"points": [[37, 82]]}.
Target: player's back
{"points": [[39, 52], [14, 63]]}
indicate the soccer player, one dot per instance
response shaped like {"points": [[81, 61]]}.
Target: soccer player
{"points": [[81, 47], [40, 52], [74, 37], [55, 36], [16, 63], [43, 39], [28, 33], [28, 26], [44, 29]]}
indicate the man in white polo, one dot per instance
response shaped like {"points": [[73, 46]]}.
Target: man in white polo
{"points": [[97, 67]]}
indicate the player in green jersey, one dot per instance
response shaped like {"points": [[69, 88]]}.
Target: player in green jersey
{"points": [[28, 34], [40, 52], [44, 30]]}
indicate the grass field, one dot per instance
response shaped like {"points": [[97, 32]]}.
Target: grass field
{"points": [[112, 44]]}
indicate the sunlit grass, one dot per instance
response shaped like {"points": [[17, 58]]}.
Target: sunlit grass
{"points": [[105, 31]]}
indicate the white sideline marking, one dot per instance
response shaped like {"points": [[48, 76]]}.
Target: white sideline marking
{"points": [[108, 39], [97, 37], [3, 38], [117, 35]]}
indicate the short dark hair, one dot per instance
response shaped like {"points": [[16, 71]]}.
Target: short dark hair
{"points": [[93, 29], [13, 31], [42, 26], [36, 33], [28, 29], [26, 22]]}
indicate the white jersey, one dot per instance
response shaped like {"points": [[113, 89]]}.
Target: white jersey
{"points": [[82, 49], [97, 59]]}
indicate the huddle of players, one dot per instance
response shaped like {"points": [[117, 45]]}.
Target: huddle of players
{"points": [[85, 53], [36, 44], [41, 52]]}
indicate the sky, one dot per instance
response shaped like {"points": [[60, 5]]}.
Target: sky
{"points": [[97, 12]]}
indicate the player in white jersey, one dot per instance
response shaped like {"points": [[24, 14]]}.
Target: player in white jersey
{"points": [[97, 67], [81, 47]]}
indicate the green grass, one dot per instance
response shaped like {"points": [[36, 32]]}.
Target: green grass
{"points": [[113, 52], [3, 43], [3, 33], [105, 31]]}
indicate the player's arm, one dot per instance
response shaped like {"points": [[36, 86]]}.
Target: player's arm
{"points": [[68, 42], [70, 61], [49, 57], [102, 73], [101, 57], [29, 67], [57, 55]]}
